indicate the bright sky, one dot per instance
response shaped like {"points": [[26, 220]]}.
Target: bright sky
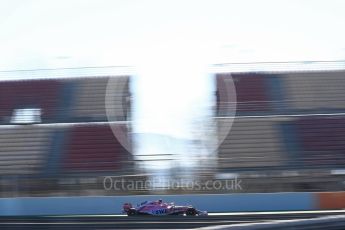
{"points": [[74, 33]]}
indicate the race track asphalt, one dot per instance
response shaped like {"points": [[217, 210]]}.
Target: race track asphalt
{"points": [[149, 222]]}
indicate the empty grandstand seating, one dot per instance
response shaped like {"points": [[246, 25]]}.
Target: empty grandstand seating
{"points": [[226, 100], [251, 142], [251, 92], [43, 94], [23, 149], [84, 146], [90, 96], [315, 90], [92, 148], [322, 140]]}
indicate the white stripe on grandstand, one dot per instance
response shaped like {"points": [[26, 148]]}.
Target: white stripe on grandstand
{"points": [[280, 67], [66, 124], [285, 115], [127, 122], [59, 73]]}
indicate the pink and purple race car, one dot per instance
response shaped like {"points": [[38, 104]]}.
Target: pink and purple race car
{"points": [[159, 208]]}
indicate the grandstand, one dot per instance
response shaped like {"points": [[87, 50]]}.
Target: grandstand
{"points": [[24, 149], [43, 94], [289, 129], [251, 143], [69, 135], [322, 140], [287, 123], [315, 91], [93, 148], [89, 101]]}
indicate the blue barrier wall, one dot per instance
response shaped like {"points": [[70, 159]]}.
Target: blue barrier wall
{"points": [[113, 204]]}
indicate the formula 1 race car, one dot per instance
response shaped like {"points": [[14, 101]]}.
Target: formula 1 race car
{"points": [[159, 208]]}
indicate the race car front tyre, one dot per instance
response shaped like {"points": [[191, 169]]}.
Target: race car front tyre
{"points": [[191, 212], [131, 212]]}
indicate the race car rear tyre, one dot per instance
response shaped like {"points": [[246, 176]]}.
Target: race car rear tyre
{"points": [[131, 212], [191, 212]]}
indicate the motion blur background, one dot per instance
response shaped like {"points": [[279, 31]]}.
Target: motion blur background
{"points": [[146, 89]]}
